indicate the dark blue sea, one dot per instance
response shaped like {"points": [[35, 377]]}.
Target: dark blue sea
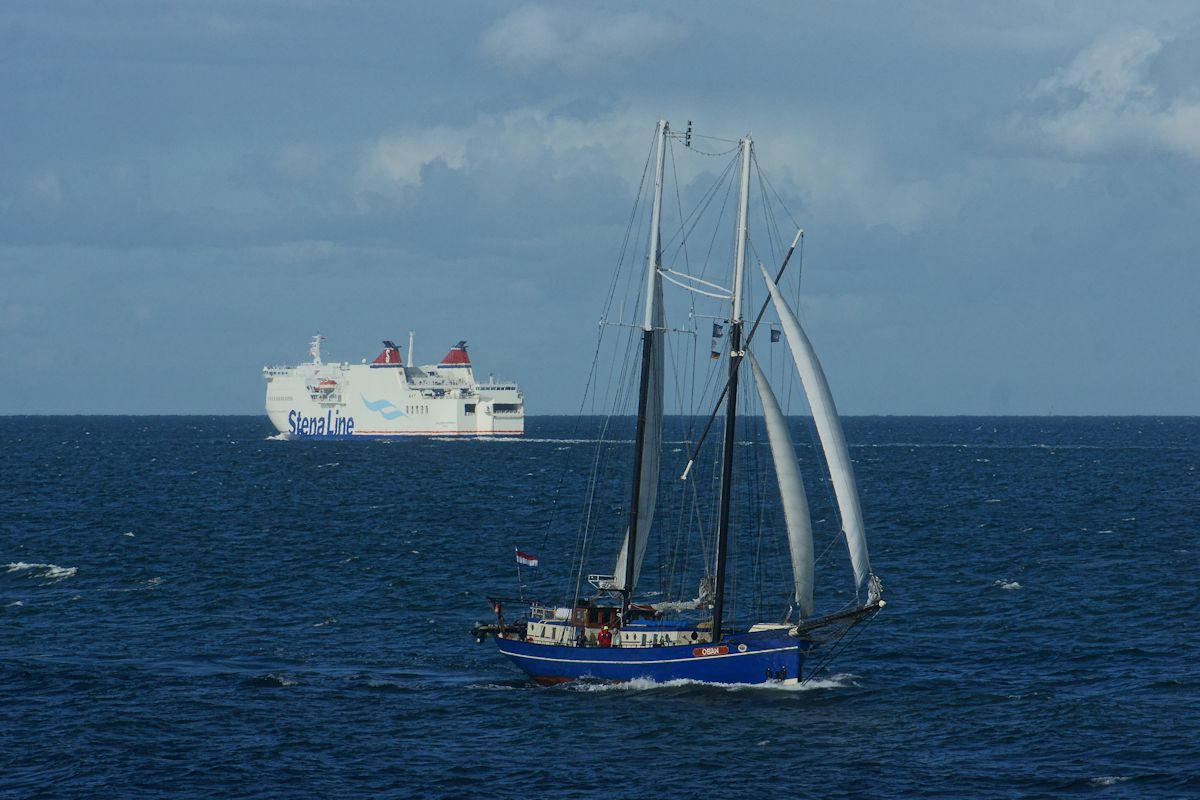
{"points": [[192, 609]]}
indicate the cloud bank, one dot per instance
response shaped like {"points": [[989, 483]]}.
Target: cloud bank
{"points": [[1107, 102]]}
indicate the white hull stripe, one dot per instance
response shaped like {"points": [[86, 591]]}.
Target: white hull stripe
{"points": [[649, 661]]}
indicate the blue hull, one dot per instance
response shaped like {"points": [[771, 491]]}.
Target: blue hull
{"points": [[739, 658]]}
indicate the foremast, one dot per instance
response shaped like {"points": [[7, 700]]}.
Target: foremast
{"points": [[735, 359], [647, 439]]}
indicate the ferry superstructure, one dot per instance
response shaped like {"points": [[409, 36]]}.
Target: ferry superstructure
{"points": [[390, 398]]}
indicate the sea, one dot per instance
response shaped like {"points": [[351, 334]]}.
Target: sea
{"points": [[191, 607]]}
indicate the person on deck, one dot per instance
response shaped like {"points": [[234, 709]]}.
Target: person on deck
{"points": [[604, 638]]}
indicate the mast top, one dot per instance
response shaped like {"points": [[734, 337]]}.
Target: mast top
{"points": [[739, 259]]}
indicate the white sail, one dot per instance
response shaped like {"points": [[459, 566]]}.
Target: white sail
{"points": [[791, 491], [829, 428]]}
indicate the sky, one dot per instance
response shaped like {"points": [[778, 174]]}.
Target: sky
{"points": [[1001, 201]]}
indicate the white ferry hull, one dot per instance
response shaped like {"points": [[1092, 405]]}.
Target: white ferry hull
{"points": [[386, 398]]}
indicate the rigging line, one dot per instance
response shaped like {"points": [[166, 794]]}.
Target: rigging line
{"points": [[688, 224], [574, 434], [674, 561], [603, 457], [715, 138], [700, 152], [778, 197], [745, 345], [713, 375], [796, 305], [839, 645], [771, 224], [582, 533], [679, 208], [690, 348], [727, 181], [634, 219]]}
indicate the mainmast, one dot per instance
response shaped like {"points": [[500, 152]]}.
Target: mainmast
{"points": [[735, 358], [645, 464]]}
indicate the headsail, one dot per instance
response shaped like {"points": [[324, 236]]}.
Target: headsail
{"points": [[829, 428], [791, 491]]}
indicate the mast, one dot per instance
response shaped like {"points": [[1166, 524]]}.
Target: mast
{"points": [[735, 358], [631, 552]]}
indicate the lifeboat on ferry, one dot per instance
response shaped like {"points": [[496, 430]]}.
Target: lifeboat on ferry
{"points": [[326, 386]]}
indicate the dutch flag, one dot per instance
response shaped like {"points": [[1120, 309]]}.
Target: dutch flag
{"points": [[527, 559]]}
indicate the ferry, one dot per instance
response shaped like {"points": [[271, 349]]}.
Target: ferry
{"points": [[389, 397]]}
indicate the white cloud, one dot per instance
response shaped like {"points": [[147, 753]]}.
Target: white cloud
{"points": [[395, 162], [557, 146], [1105, 102], [839, 172], [576, 39]]}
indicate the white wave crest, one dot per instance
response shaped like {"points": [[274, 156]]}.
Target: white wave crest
{"points": [[51, 572], [279, 437], [1107, 780], [840, 681], [1004, 583]]}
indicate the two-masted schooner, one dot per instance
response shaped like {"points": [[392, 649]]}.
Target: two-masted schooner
{"points": [[615, 635]]}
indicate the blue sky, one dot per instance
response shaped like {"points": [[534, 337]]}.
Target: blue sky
{"points": [[1001, 202]]}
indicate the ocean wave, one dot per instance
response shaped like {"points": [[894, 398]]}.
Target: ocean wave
{"points": [[840, 681], [51, 572], [271, 680], [1107, 780], [1004, 583]]}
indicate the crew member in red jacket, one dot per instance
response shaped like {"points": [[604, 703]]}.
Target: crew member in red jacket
{"points": [[604, 637]]}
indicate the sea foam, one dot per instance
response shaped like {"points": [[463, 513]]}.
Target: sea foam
{"points": [[52, 572], [840, 681]]}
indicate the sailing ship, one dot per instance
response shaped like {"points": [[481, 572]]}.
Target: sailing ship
{"points": [[616, 635]]}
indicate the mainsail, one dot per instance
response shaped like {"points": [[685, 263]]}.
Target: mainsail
{"points": [[791, 491], [651, 454], [833, 442], [650, 398]]}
